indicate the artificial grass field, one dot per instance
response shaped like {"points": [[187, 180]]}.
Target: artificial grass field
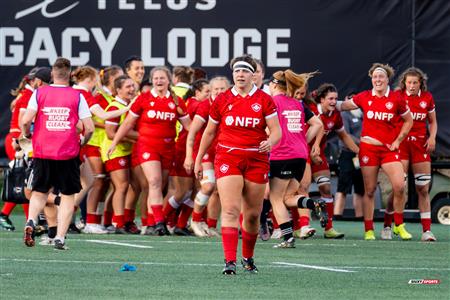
{"points": [[190, 268]]}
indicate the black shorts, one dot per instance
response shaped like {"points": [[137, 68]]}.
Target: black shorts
{"points": [[288, 169], [349, 176], [62, 175]]}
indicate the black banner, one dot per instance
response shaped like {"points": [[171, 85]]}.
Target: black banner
{"points": [[339, 38]]}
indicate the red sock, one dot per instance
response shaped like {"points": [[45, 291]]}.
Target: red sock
{"points": [[304, 221], [398, 218], [168, 210], [26, 207], [129, 215], [426, 224], [368, 225], [119, 220], [98, 219], [330, 211], [143, 221], [212, 223], [230, 238], [274, 220], [295, 218], [158, 213], [151, 219], [107, 218], [186, 212], [91, 218], [388, 216], [197, 217], [241, 218], [248, 243], [7, 208]]}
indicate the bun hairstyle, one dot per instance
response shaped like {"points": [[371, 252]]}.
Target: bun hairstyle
{"points": [[196, 86], [172, 93], [290, 81], [387, 69], [323, 90], [183, 74], [81, 73], [107, 73], [423, 78]]}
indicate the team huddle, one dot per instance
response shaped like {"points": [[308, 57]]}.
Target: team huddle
{"points": [[191, 151]]}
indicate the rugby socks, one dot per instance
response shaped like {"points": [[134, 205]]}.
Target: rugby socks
{"points": [[368, 225], [57, 201], [274, 221], [129, 215], [186, 211], [425, 219], [91, 219], [212, 223], [170, 207], [119, 220], [286, 231], [26, 207], [143, 221], [305, 202], [295, 218], [107, 218], [398, 218], [8, 208], [388, 216], [52, 232], [230, 238], [158, 213], [248, 243], [150, 220], [197, 217], [330, 211], [304, 221], [265, 211]]}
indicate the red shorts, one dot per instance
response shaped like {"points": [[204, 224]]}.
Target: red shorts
{"points": [[252, 165], [373, 155], [413, 149], [135, 157], [208, 157], [322, 167], [10, 152], [118, 163], [177, 166], [90, 151], [162, 153]]}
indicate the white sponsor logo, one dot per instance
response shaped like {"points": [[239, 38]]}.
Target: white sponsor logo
{"points": [[330, 124], [146, 155], [242, 121], [230, 107], [229, 120], [161, 115], [57, 118], [293, 120], [370, 103], [43, 7], [418, 116], [224, 168], [122, 162], [423, 104], [152, 103], [383, 116], [389, 105], [256, 107], [171, 105], [365, 159]]}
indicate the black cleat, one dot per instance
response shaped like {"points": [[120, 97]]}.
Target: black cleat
{"points": [[73, 229], [249, 265], [6, 224], [28, 236], [320, 208], [59, 245], [131, 228], [230, 268], [182, 231], [120, 230], [150, 230], [161, 229]]}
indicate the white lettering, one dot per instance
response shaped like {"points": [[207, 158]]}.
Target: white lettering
{"points": [[207, 35], [148, 4], [106, 44], [41, 37], [242, 121], [255, 37], [101, 4], [172, 4], [418, 116], [66, 46], [383, 116], [274, 47], [206, 5], [16, 51], [146, 49], [123, 4], [43, 7], [172, 47]]}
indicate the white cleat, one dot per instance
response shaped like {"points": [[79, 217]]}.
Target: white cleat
{"points": [[428, 236], [213, 232], [386, 233], [143, 228], [199, 229], [46, 241], [306, 232], [94, 229], [276, 234]]}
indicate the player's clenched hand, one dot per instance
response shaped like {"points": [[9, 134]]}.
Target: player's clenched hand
{"points": [[265, 146]]}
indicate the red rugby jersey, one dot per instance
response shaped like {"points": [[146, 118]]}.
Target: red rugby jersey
{"points": [[21, 104], [332, 121], [192, 107], [242, 120], [420, 105], [382, 115]]}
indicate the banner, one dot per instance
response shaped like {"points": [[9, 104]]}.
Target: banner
{"points": [[341, 39]]}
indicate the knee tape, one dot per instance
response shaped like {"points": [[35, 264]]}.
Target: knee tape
{"points": [[208, 177], [321, 180], [201, 199], [99, 176], [422, 179]]}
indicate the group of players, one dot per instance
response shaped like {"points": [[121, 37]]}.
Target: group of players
{"points": [[185, 147]]}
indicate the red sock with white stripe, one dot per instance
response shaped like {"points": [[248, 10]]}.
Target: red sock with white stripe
{"points": [[248, 243], [230, 238], [425, 219]]}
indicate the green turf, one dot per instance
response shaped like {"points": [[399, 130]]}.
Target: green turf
{"points": [[190, 268]]}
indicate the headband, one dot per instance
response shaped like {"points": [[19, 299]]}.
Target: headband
{"points": [[277, 81], [380, 69], [242, 65]]}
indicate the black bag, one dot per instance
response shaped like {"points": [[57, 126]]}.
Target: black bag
{"points": [[15, 182]]}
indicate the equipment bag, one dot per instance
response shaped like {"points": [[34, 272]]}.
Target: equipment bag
{"points": [[15, 182]]}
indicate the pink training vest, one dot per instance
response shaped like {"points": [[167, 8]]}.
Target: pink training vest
{"points": [[55, 134]]}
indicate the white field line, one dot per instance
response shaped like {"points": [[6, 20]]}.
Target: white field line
{"points": [[313, 267], [118, 244], [287, 265]]}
